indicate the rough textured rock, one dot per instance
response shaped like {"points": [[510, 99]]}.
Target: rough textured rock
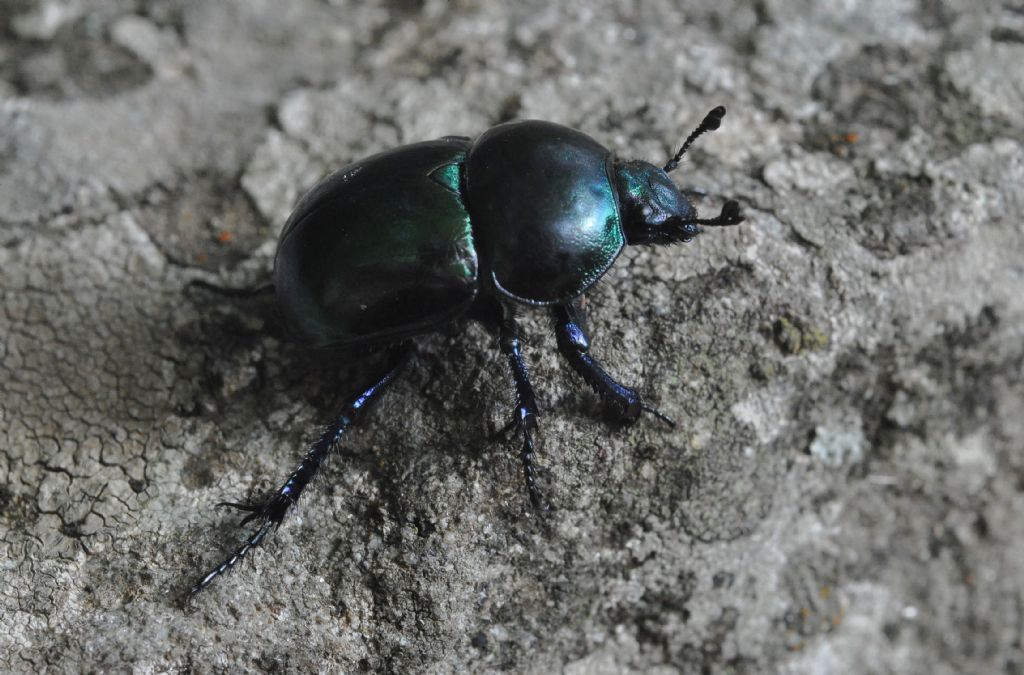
{"points": [[843, 492]]}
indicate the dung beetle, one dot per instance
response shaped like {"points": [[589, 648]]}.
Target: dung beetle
{"points": [[410, 240]]}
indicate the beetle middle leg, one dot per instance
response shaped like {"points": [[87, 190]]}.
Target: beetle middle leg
{"points": [[271, 512], [574, 345]]}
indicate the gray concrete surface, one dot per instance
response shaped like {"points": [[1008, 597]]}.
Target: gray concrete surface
{"points": [[843, 493]]}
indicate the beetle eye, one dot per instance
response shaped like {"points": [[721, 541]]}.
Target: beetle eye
{"points": [[647, 211]]}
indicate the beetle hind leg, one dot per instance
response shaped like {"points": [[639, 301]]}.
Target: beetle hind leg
{"points": [[271, 512], [624, 402]]}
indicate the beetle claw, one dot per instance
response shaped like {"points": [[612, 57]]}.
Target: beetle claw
{"points": [[255, 510], [272, 510]]}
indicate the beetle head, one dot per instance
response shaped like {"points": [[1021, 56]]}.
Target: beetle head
{"points": [[654, 211]]}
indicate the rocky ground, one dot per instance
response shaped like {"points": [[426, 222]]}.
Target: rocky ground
{"points": [[845, 487]]}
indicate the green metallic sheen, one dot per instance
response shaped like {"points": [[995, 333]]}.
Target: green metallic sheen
{"points": [[544, 208], [648, 199], [634, 180], [646, 185], [380, 250], [449, 176]]}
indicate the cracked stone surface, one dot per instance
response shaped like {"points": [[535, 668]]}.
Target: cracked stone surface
{"points": [[845, 487]]}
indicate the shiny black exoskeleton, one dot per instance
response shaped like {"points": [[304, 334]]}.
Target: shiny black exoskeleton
{"points": [[410, 240]]}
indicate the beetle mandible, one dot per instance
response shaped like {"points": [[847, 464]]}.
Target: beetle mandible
{"points": [[407, 241]]}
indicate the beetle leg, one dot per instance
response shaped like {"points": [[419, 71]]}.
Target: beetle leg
{"points": [[230, 292], [271, 512], [574, 345], [524, 417]]}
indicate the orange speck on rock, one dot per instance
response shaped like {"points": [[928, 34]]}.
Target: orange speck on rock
{"points": [[224, 237]]}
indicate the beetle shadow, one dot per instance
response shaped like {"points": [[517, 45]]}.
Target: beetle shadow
{"points": [[247, 352]]}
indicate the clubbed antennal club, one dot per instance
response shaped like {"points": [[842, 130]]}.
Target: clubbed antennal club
{"points": [[679, 229], [711, 121], [730, 215]]}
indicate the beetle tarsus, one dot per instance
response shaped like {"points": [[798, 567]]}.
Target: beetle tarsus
{"points": [[660, 415], [252, 542], [526, 455]]}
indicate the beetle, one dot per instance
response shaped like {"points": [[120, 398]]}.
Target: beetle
{"points": [[407, 241]]}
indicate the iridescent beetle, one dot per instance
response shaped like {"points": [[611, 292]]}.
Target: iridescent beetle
{"points": [[407, 241]]}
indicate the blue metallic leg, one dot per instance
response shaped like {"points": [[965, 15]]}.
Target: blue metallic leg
{"points": [[271, 512], [574, 345], [524, 417]]}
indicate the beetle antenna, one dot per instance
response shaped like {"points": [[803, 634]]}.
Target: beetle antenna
{"points": [[710, 122], [730, 215]]}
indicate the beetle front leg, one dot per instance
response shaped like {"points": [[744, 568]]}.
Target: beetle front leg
{"points": [[271, 512], [524, 417], [574, 345]]}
